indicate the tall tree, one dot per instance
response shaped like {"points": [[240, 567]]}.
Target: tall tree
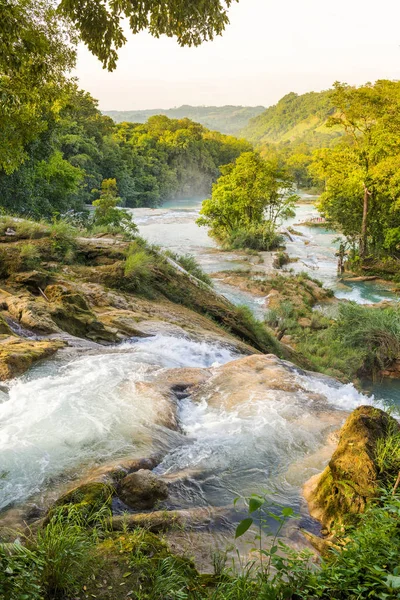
{"points": [[360, 173], [36, 54]]}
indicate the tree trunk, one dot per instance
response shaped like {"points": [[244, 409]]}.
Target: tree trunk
{"points": [[363, 240]]}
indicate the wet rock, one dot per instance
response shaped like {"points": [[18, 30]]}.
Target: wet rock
{"points": [[4, 327], [17, 355], [242, 381], [142, 490], [32, 313], [113, 472], [352, 477], [393, 371]]}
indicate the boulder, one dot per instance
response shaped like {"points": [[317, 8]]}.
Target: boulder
{"points": [[352, 477], [259, 377], [17, 355], [94, 495], [142, 490]]}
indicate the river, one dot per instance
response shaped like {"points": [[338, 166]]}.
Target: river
{"points": [[86, 406]]}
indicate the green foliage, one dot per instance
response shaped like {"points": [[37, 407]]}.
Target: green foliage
{"points": [[374, 332], [35, 57], [29, 255], [362, 190], [248, 202], [107, 215], [294, 117], [226, 119], [80, 148], [387, 455], [100, 24], [65, 549], [190, 264], [256, 237]]}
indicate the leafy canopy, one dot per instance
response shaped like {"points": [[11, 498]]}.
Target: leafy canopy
{"points": [[100, 23], [251, 197], [367, 160]]}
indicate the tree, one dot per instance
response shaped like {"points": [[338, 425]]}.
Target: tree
{"points": [[362, 186], [100, 23], [36, 53], [248, 202], [106, 213]]}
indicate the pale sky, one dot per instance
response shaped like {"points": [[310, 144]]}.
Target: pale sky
{"points": [[269, 49]]}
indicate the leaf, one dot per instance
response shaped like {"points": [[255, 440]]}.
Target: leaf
{"points": [[273, 549], [243, 527], [287, 511], [127, 574], [255, 503], [393, 581]]}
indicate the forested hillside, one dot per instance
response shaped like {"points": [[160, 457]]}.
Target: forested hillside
{"points": [[79, 147], [294, 119], [226, 119]]}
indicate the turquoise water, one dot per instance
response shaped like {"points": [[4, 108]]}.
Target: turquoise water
{"points": [[173, 226]]}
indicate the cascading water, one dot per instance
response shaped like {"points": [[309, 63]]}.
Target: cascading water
{"points": [[69, 414]]}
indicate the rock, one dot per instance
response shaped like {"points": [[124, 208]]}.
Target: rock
{"points": [[393, 371], [352, 477], [72, 313], [32, 313], [113, 472], [4, 327], [33, 280], [89, 499], [304, 322], [18, 354], [233, 384], [156, 521], [142, 490]]}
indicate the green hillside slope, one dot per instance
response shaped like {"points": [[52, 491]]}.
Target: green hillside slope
{"points": [[226, 119], [294, 119]]}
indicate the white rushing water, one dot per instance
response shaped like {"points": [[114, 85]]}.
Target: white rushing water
{"points": [[61, 416], [68, 414]]}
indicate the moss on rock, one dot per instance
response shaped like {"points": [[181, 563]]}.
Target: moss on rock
{"points": [[17, 355], [352, 477]]}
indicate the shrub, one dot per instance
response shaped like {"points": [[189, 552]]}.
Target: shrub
{"points": [[29, 256], [375, 332], [255, 237]]}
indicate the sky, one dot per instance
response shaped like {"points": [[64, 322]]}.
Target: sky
{"points": [[269, 48]]}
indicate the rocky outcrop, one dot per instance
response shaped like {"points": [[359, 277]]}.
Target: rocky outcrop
{"points": [[142, 490], [17, 355], [353, 476]]}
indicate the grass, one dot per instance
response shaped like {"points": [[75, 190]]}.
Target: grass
{"points": [[190, 264], [66, 560]]}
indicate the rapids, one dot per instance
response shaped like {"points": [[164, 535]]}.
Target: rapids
{"points": [[77, 411]]}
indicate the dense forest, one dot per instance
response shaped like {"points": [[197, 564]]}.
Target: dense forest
{"points": [[66, 163], [226, 119]]}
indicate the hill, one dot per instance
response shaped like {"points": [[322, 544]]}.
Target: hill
{"points": [[226, 119], [295, 118]]}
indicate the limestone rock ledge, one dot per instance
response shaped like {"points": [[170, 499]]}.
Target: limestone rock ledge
{"points": [[353, 476], [18, 354]]}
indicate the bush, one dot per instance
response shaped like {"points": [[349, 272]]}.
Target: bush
{"points": [[375, 332], [255, 237], [29, 256]]}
